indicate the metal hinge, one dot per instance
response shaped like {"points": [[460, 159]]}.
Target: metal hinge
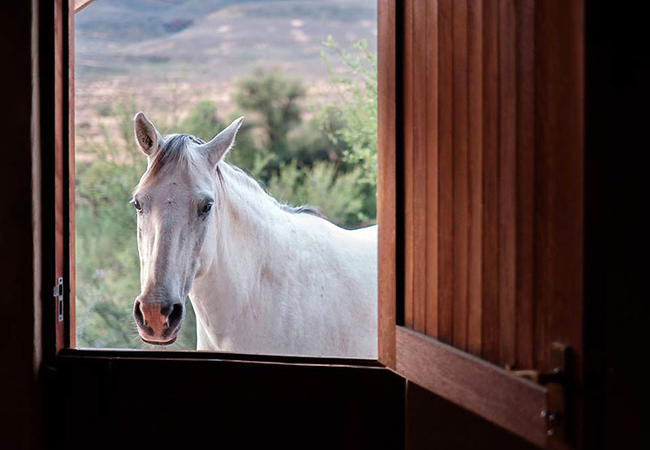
{"points": [[58, 294], [557, 382]]}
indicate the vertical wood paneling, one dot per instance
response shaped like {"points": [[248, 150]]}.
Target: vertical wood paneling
{"points": [[490, 238], [408, 164], [419, 164], [493, 139], [445, 167], [471, 178], [387, 197], [460, 180], [507, 181], [525, 19], [432, 267], [475, 174]]}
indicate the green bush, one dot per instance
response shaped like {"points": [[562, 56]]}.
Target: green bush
{"points": [[356, 109], [273, 102]]}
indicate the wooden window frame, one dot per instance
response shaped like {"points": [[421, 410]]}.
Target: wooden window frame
{"points": [[60, 338], [77, 379]]}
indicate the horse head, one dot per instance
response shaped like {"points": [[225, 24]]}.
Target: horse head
{"points": [[175, 215]]}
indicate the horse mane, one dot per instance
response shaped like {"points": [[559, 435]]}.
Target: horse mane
{"points": [[258, 185], [173, 153], [303, 209]]}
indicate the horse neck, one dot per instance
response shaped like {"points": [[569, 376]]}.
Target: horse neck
{"points": [[250, 216], [250, 238]]}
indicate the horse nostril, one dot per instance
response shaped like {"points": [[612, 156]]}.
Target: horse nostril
{"points": [[175, 315], [137, 313]]}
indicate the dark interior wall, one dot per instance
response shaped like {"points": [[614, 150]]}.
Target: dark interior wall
{"points": [[19, 236], [616, 294]]}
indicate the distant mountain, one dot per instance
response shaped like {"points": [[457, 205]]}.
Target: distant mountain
{"points": [[214, 39]]}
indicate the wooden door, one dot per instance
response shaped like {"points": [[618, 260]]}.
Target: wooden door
{"points": [[481, 205]]}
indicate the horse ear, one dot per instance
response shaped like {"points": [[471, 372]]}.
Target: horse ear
{"points": [[219, 145], [146, 134]]}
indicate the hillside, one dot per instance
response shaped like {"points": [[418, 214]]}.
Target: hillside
{"points": [[174, 52]]}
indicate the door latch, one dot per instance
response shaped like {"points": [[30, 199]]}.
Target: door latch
{"points": [[557, 382], [58, 294]]}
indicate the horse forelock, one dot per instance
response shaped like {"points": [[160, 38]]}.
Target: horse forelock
{"points": [[172, 153]]}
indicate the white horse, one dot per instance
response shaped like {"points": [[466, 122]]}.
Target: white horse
{"points": [[262, 277]]}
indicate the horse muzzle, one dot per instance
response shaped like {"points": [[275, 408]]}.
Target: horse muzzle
{"points": [[158, 321]]}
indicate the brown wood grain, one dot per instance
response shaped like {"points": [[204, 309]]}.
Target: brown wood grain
{"points": [[476, 385], [525, 298], [419, 172], [409, 150], [445, 174], [490, 224], [475, 175], [507, 182], [460, 172], [386, 180], [484, 78], [432, 268], [71, 303], [60, 160]]}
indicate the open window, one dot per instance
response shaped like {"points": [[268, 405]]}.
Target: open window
{"points": [[258, 269], [480, 158]]}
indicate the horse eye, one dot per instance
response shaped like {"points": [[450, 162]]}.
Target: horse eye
{"points": [[206, 208], [137, 206]]}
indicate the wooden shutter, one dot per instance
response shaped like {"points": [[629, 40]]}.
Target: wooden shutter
{"points": [[57, 87], [481, 203]]}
